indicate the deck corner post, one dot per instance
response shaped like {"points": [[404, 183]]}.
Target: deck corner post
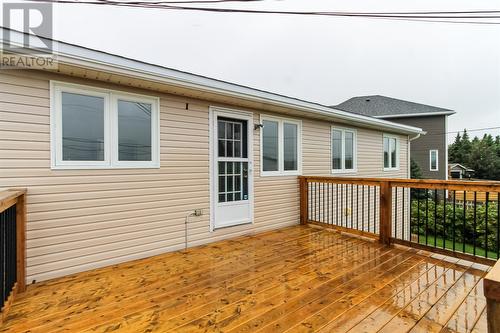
{"points": [[492, 293], [21, 242], [304, 194], [385, 212]]}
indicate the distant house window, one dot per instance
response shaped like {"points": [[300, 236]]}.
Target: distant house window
{"points": [[343, 150], [391, 147], [280, 146], [433, 160], [97, 128]]}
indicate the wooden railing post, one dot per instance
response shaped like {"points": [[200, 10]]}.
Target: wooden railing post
{"points": [[21, 242], [304, 200], [385, 210], [492, 293]]}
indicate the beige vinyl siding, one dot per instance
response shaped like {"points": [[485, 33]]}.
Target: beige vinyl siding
{"points": [[83, 219]]}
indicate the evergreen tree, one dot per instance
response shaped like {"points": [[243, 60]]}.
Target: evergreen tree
{"points": [[415, 171]]}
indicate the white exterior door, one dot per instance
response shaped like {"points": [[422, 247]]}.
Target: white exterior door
{"points": [[231, 181]]}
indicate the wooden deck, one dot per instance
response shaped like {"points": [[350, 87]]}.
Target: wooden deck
{"points": [[299, 279]]}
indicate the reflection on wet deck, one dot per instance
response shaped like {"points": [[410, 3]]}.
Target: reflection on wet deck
{"points": [[299, 279]]}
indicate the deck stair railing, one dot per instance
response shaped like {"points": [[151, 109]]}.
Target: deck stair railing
{"points": [[454, 218], [12, 247]]}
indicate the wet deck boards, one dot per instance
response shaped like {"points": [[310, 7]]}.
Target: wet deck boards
{"points": [[298, 279]]}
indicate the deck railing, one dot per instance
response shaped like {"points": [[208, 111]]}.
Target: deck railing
{"points": [[12, 247], [455, 218]]}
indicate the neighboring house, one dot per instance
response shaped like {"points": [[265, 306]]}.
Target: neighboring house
{"points": [[458, 171], [123, 159], [430, 151]]}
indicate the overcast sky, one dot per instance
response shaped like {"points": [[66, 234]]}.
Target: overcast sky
{"points": [[320, 59]]}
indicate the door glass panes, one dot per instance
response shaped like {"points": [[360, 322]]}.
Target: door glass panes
{"points": [[230, 138], [233, 181], [134, 131], [270, 145], [337, 150], [82, 127], [290, 146], [349, 150]]}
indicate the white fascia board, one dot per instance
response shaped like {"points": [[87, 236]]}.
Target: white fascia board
{"points": [[97, 60]]}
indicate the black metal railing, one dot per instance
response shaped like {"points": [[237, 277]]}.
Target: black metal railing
{"points": [[459, 218], [8, 253], [438, 219], [344, 205]]}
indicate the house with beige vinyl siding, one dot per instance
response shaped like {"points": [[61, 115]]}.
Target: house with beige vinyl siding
{"points": [[124, 160]]}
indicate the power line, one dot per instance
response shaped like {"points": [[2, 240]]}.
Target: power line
{"points": [[439, 16], [467, 130]]}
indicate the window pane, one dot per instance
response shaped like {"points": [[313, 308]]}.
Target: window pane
{"points": [[393, 153], [82, 127], [386, 152], [433, 160], [290, 146], [134, 131], [336, 150], [229, 149], [270, 146], [349, 150]]}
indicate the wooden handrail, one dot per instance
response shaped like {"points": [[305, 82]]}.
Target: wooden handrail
{"points": [[491, 186], [492, 293]]}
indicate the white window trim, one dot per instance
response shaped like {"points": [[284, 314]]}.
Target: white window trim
{"points": [[437, 160], [110, 128], [281, 165], [390, 136], [343, 170]]}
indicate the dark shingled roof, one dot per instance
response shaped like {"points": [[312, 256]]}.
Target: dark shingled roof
{"points": [[382, 106]]}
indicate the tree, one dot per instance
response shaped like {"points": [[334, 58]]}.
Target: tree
{"points": [[454, 149], [415, 171], [482, 155]]}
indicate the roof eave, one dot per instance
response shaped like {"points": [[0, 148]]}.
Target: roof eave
{"points": [[97, 60]]}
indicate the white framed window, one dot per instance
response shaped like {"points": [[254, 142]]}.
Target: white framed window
{"points": [[343, 150], [280, 146], [434, 160], [93, 128], [391, 152]]}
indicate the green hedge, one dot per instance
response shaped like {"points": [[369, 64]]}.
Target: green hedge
{"points": [[463, 233]]}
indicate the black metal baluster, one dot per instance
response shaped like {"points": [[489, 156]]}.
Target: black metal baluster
{"points": [[396, 212], [435, 216], [337, 204], [444, 219], [486, 226], [357, 207], [352, 203], [323, 209], [465, 217], [498, 225], [369, 208], [328, 203], [454, 218], [418, 215], [426, 217], [342, 204], [475, 224], [375, 208], [2, 258], [363, 207], [403, 220]]}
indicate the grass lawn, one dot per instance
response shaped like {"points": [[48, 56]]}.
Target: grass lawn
{"points": [[458, 246]]}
